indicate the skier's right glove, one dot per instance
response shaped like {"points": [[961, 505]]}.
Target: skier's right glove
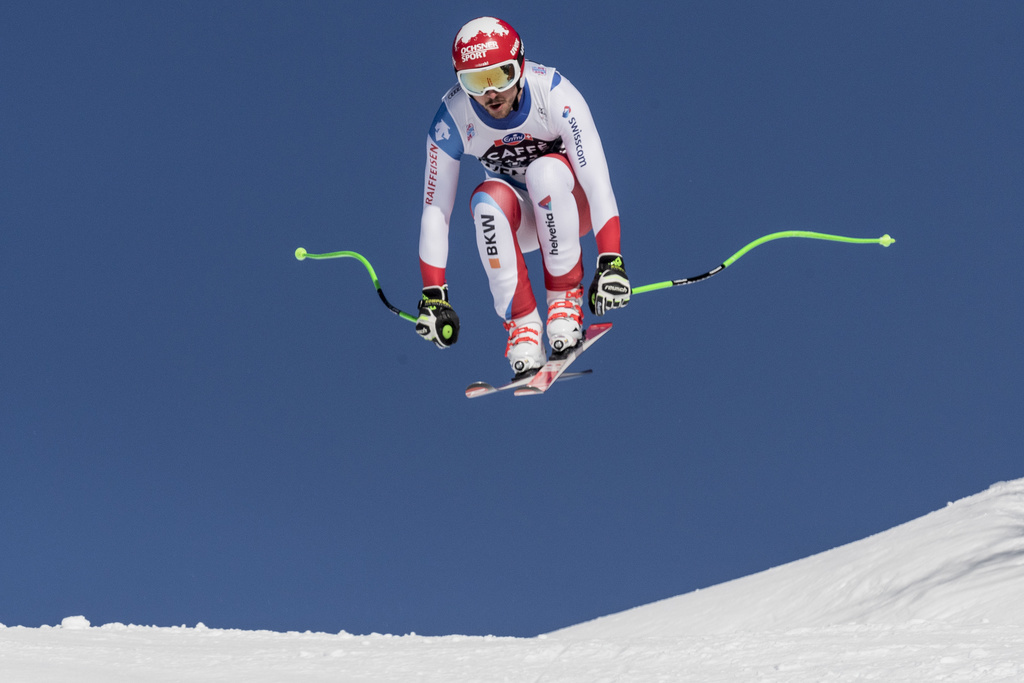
{"points": [[610, 288], [437, 321]]}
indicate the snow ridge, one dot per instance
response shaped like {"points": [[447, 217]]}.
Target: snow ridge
{"points": [[962, 564]]}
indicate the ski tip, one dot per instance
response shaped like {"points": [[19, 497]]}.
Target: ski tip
{"points": [[478, 389], [596, 330]]}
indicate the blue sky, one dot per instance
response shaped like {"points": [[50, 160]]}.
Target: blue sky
{"points": [[194, 426]]}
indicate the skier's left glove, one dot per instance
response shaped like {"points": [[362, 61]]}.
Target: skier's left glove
{"points": [[610, 288], [437, 321]]}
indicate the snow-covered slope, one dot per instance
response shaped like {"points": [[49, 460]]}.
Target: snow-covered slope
{"points": [[939, 598], [963, 564]]}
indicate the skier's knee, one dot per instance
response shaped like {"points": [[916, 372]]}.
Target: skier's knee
{"points": [[501, 196], [549, 172]]}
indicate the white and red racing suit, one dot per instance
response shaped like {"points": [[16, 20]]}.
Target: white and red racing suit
{"points": [[546, 184]]}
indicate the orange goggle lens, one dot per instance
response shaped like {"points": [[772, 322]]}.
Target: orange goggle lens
{"points": [[498, 78]]}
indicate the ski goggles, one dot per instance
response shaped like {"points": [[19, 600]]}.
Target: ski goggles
{"points": [[498, 78]]}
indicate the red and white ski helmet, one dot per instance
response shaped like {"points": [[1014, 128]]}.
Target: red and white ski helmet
{"points": [[487, 54]]}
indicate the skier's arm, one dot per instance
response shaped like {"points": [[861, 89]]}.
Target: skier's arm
{"points": [[610, 288], [586, 154], [441, 179], [437, 321]]}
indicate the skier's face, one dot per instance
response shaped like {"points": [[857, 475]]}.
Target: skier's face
{"points": [[498, 104]]}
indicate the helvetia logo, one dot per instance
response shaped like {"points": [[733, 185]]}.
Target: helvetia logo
{"points": [[549, 223], [545, 203]]}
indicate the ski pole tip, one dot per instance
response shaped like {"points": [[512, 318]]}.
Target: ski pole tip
{"points": [[885, 240], [300, 253]]}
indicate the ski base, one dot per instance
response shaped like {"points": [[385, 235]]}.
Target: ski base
{"points": [[484, 389]]}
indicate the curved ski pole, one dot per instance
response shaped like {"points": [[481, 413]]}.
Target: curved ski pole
{"points": [[884, 240], [301, 254]]}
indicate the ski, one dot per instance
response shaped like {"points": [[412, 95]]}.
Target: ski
{"points": [[555, 368], [484, 389]]}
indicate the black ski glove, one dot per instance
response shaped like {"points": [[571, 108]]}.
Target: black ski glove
{"points": [[437, 321], [610, 288]]}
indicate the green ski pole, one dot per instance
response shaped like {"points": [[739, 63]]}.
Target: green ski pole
{"points": [[884, 240], [302, 254]]}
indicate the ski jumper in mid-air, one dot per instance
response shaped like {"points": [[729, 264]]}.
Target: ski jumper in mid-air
{"points": [[547, 183]]}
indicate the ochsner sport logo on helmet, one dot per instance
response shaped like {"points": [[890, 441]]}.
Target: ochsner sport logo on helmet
{"points": [[471, 52]]}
